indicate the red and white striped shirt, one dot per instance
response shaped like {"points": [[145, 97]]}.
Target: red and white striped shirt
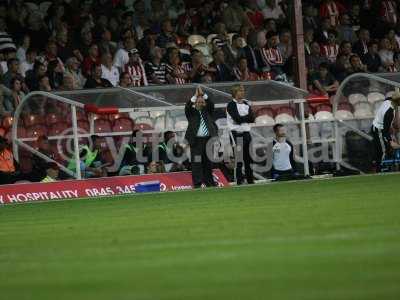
{"points": [[137, 73], [332, 10], [389, 11], [272, 56], [330, 52], [180, 69]]}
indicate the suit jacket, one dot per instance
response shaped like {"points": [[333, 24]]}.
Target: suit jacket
{"points": [[224, 73], [193, 117], [251, 57], [358, 49]]}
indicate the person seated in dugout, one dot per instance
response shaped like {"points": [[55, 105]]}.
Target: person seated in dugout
{"points": [[92, 163], [52, 173], [39, 164], [155, 167], [8, 166], [283, 163], [130, 163]]}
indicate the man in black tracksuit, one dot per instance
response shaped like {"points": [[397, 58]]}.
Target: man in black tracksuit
{"points": [[239, 116], [199, 112], [381, 129]]}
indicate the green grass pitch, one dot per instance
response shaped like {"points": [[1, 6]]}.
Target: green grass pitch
{"points": [[328, 239]]}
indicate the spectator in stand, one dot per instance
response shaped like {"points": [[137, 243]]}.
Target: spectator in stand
{"points": [[167, 34], [331, 49], [12, 100], [272, 9], [250, 53], [68, 83], [285, 44], [188, 22], [310, 17], [23, 47], [55, 72], [342, 68], [176, 73], [44, 84], [6, 40], [135, 69], [206, 17], [65, 48], [270, 25], [356, 65], [360, 47], [27, 64], [331, 9], [388, 12], [396, 59], [121, 57], [254, 14], [234, 16], [323, 82], [222, 38], [86, 40], [32, 76], [72, 70], [234, 50], [156, 70], [271, 55], [51, 51], [125, 80], [147, 44], [345, 49], [220, 70], [308, 39], [242, 73], [386, 54], [13, 71], [95, 81], [372, 59], [393, 39], [314, 60], [108, 70], [345, 29], [105, 44], [322, 35], [197, 69], [90, 60], [354, 13]]}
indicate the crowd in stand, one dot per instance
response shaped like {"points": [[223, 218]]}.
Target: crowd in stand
{"points": [[72, 44]]}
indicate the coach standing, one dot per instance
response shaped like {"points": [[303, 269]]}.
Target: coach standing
{"points": [[239, 117], [381, 129], [199, 112]]}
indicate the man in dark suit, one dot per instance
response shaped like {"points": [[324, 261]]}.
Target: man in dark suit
{"points": [[220, 70], [199, 112]]}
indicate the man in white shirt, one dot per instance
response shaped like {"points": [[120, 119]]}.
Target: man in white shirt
{"points": [[384, 143], [283, 163], [121, 57], [239, 116], [27, 65], [108, 70]]}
